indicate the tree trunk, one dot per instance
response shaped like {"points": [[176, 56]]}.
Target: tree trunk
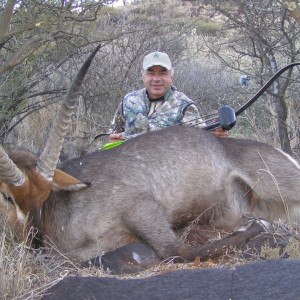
{"points": [[281, 108], [282, 115]]}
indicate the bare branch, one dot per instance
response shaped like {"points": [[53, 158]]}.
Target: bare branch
{"points": [[7, 15], [23, 52]]}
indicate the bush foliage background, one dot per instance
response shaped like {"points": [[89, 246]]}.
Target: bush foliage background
{"points": [[211, 43]]}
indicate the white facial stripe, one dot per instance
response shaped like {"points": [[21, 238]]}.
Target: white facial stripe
{"points": [[20, 215]]}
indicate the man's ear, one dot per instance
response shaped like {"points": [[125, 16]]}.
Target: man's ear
{"points": [[65, 182]]}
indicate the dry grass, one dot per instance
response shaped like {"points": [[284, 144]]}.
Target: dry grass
{"points": [[24, 275]]}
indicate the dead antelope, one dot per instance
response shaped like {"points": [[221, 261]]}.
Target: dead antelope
{"points": [[147, 187]]}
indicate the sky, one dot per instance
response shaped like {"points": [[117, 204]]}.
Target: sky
{"points": [[120, 2]]}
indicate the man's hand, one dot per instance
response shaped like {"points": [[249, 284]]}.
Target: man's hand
{"points": [[219, 132], [114, 137]]}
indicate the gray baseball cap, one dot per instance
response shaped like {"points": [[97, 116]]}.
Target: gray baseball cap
{"points": [[157, 59]]}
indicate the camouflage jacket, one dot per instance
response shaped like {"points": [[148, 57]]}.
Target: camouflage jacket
{"points": [[137, 114]]}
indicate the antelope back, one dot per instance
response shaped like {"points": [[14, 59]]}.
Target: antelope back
{"points": [[166, 179]]}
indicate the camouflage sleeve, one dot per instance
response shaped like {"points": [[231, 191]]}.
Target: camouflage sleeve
{"points": [[192, 117], [118, 122]]}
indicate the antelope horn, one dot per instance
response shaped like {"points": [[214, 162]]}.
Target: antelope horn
{"points": [[9, 172], [48, 159]]}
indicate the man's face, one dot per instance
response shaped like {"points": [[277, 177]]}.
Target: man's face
{"points": [[157, 81]]}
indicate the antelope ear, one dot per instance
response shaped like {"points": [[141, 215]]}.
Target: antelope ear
{"points": [[65, 182]]}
